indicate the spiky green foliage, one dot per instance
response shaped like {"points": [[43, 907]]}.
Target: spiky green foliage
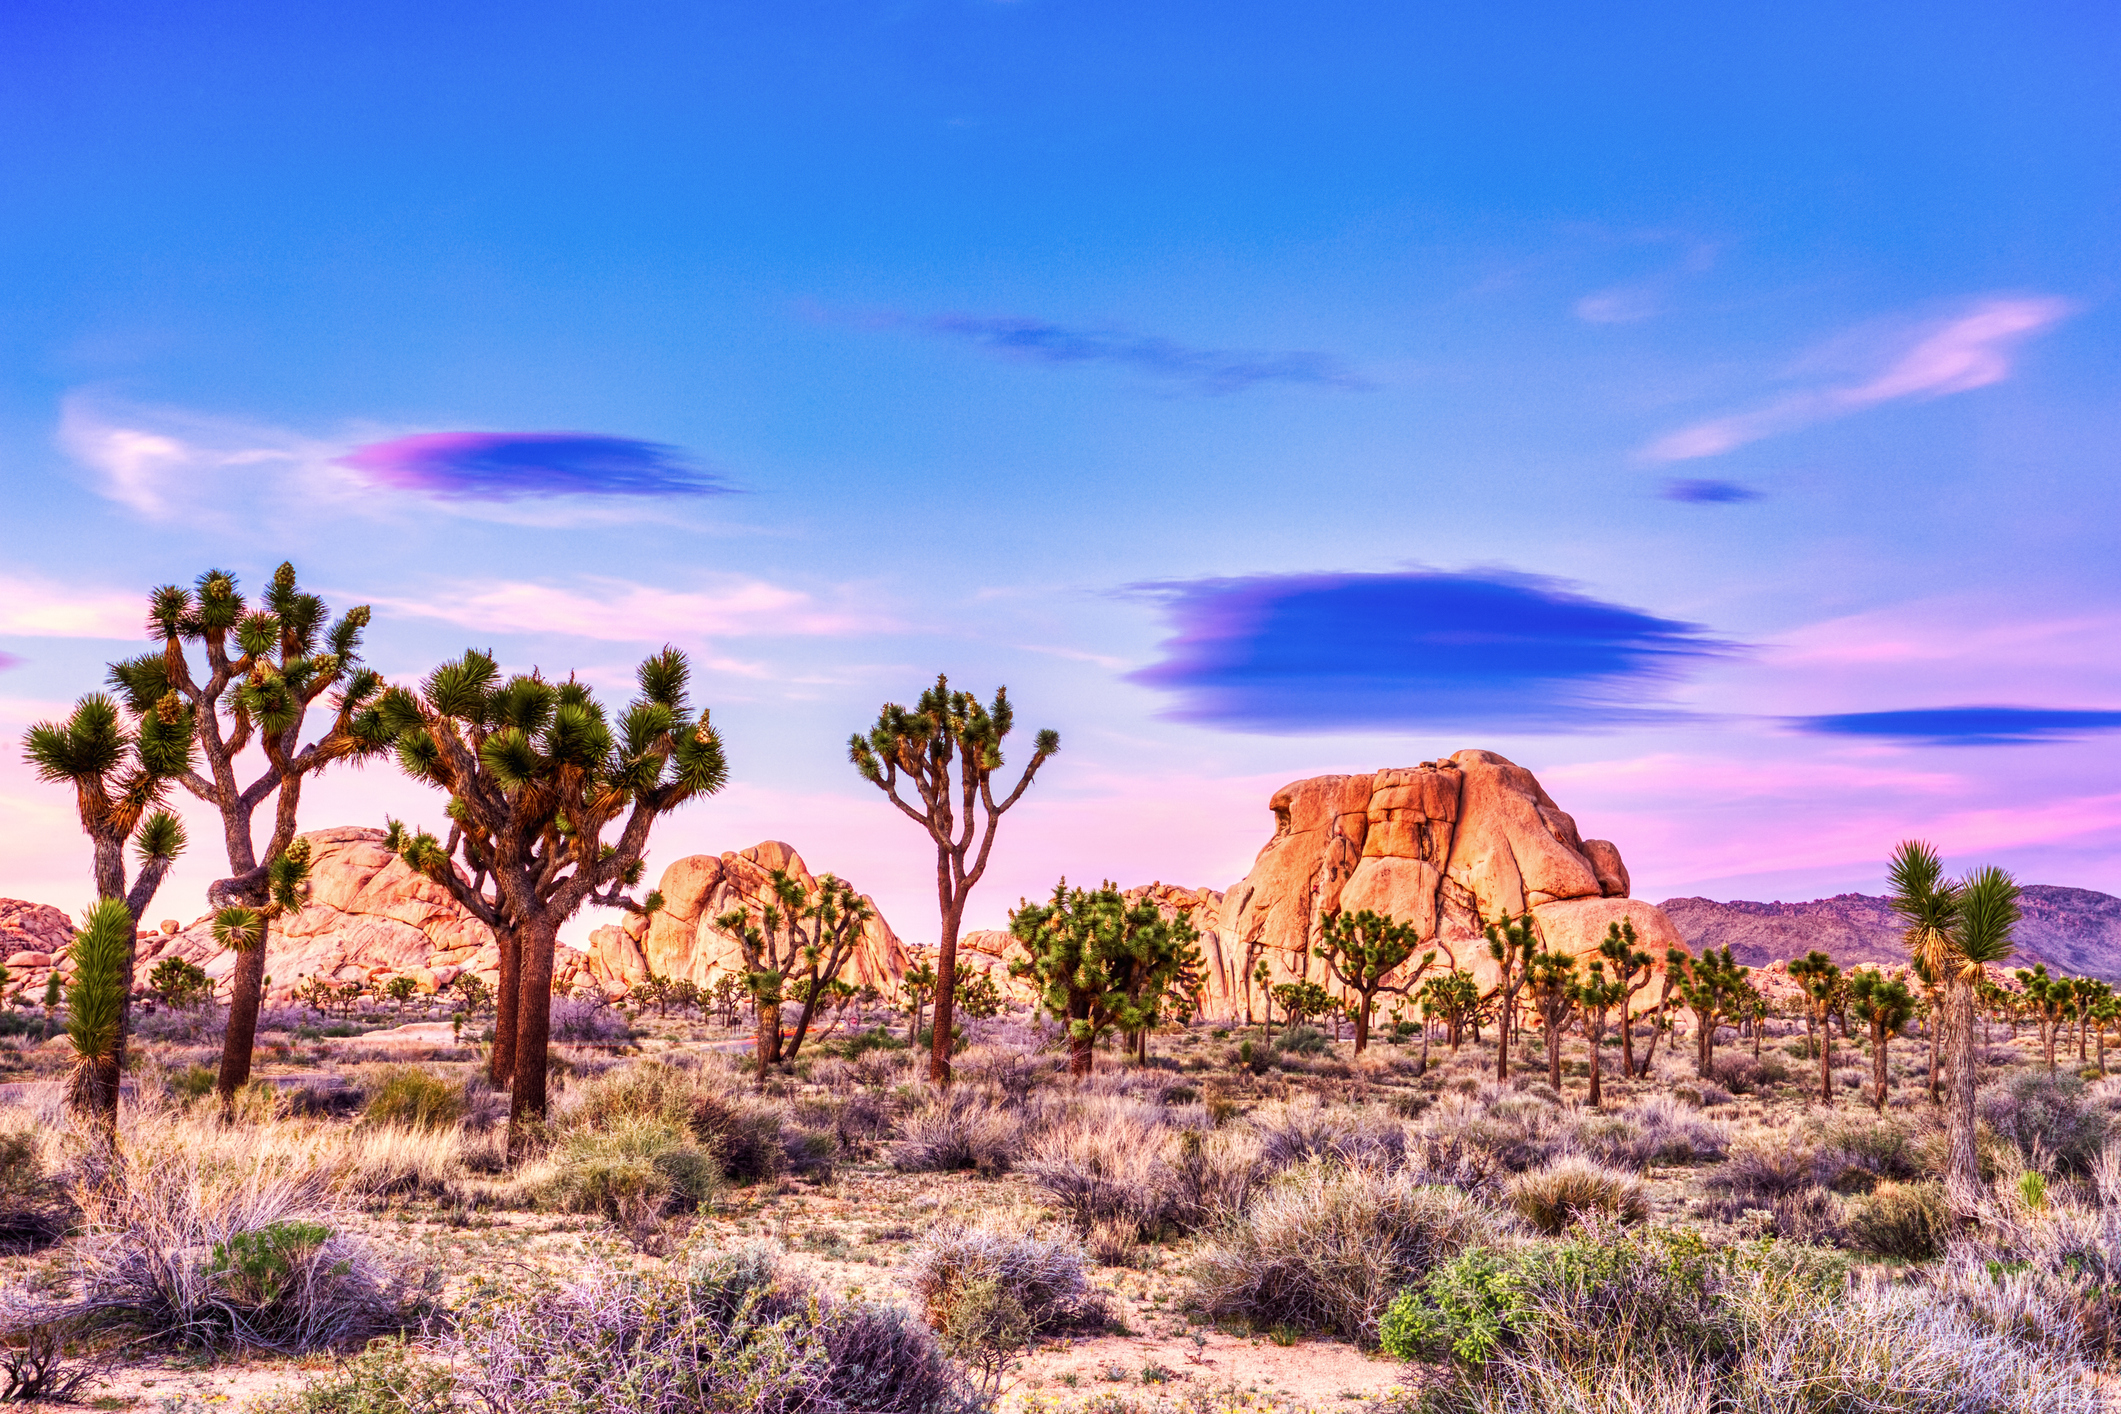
{"points": [[1711, 986], [1632, 967], [1453, 999], [95, 1007], [1100, 962], [946, 751], [550, 808], [1511, 943], [1365, 951], [120, 764], [1595, 997], [795, 946], [1819, 977]]}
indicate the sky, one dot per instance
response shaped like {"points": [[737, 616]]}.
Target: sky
{"points": [[1709, 408]]}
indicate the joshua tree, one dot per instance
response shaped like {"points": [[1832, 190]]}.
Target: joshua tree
{"points": [[1632, 970], [1709, 986], [120, 771], [1264, 976], [947, 750], [1362, 950], [1551, 978], [1820, 978], [1099, 962], [243, 928], [1302, 1000], [284, 659], [2050, 1000], [1511, 944], [2085, 994], [2105, 1012], [1452, 998], [537, 774], [918, 985], [95, 1011], [799, 942], [1594, 997], [1884, 1004], [1956, 931]]}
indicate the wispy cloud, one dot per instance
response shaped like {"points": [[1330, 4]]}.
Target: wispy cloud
{"points": [[36, 608], [1964, 726], [1957, 355], [169, 462], [1336, 652], [510, 466], [617, 610], [1202, 370], [1708, 493]]}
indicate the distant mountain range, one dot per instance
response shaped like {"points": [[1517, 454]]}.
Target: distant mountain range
{"points": [[2077, 931]]}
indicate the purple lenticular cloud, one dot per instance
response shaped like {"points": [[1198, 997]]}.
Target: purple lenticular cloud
{"points": [[1965, 726], [513, 466]]}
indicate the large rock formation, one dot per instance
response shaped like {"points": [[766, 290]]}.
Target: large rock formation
{"points": [[1447, 844], [681, 942], [34, 938]]}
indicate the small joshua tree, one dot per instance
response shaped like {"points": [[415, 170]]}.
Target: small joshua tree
{"points": [[1885, 1005], [266, 667], [946, 751], [1362, 950], [1550, 979], [537, 773], [917, 987], [1710, 986], [1099, 962], [2049, 1000], [1594, 996], [1511, 945], [121, 772], [1453, 999], [1632, 968], [102, 953], [798, 943], [1820, 978]]}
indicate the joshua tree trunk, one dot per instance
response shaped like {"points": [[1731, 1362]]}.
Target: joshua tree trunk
{"points": [[1425, 1047], [1963, 1161], [1362, 1026], [246, 988], [1594, 1036], [526, 1099], [507, 1006], [1826, 1064], [1878, 1067], [1080, 1057]]}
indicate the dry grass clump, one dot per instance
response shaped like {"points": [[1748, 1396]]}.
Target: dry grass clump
{"points": [[1574, 1190], [1325, 1248], [1044, 1279], [750, 1138], [1126, 1169], [414, 1098], [2056, 1126], [1657, 1129], [958, 1128], [1493, 1131], [634, 1170], [35, 1207], [1300, 1130], [2049, 1275], [1910, 1221]]}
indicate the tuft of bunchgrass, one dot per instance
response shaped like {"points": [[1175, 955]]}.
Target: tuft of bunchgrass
{"points": [[1575, 1189]]}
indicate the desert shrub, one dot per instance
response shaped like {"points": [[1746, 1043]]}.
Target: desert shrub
{"points": [[181, 1026], [958, 1128], [1905, 1220], [1302, 1041], [579, 1020], [1302, 1130], [35, 1208], [1881, 1149], [749, 1137], [208, 1257], [1702, 1094], [389, 1377], [2050, 1278], [1574, 1189], [723, 1332], [633, 1171], [2050, 1120], [1656, 1129], [1114, 1164], [1785, 1181], [1326, 1248], [1740, 1074], [1044, 1280], [410, 1096], [1493, 1130], [860, 1043]]}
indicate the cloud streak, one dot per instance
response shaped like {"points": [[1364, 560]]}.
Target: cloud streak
{"points": [[1339, 652], [1708, 493], [1202, 370], [621, 611], [1957, 355], [35, 608], [1964, 726], [511, 466]]}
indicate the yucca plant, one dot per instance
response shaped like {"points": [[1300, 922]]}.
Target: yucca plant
{"points": [[243, 930], [798, 943], [265, 667], [120, 765], [1100, 962], [537, 775], [1363, 950], [946, 751], [1885, 1005], [102, 953]]}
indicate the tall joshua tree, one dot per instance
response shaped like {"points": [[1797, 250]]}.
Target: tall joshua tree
{"points": [[1551, 980], [1820, 977], [1885, 1005], [946, 751], [1595, 995], [265, 668], [1632, 969], [120, 771], [1511, 944], [537, 773]]}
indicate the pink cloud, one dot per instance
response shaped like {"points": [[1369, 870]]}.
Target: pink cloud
{"points": [[624, 611], [1955, 356], [35, 608]]}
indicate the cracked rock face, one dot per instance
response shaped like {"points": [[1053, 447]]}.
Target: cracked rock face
{"points": [[1447, 845]]}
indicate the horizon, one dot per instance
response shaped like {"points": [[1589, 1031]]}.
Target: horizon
{"points": [[1713, 416]]}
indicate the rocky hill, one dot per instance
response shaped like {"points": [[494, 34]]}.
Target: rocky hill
{"points": [[2077, 931]]}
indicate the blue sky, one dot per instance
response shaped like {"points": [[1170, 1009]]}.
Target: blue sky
{"points": [[1713, 412]]}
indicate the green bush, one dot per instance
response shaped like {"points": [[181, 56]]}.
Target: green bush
{"points": [[1466, 1310], [386, 1378], [192, 1083], [1906, 1220], [409, 1096], [260, 1267], [633, 1171], [180, 984], [1302, 1041], [861, 1043]]}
